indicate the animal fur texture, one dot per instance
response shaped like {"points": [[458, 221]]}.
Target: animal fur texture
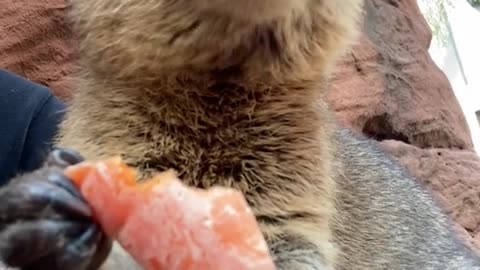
{"points": [[232, 93]]}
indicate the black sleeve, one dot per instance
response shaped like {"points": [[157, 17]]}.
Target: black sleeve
{"points": [[29, 118]]}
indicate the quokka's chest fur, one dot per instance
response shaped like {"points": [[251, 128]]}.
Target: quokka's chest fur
{"points": [[264, 144]]}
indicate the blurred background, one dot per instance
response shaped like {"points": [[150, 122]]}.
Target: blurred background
{"points": [[455, 49]]}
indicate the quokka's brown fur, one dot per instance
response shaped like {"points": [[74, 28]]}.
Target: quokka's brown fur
{"points": [[231, 93]]}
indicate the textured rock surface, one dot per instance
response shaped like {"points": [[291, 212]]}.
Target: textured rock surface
{"points": [[35, 42], [387, 87], [390, 88]]}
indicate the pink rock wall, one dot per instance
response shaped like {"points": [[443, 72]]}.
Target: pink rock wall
{"points": [[36, 42]]}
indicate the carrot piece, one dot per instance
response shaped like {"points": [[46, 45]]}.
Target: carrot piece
{"points": [[164, 224]]}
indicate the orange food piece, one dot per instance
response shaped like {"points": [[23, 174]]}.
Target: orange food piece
{"points": [[164, 224]]}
